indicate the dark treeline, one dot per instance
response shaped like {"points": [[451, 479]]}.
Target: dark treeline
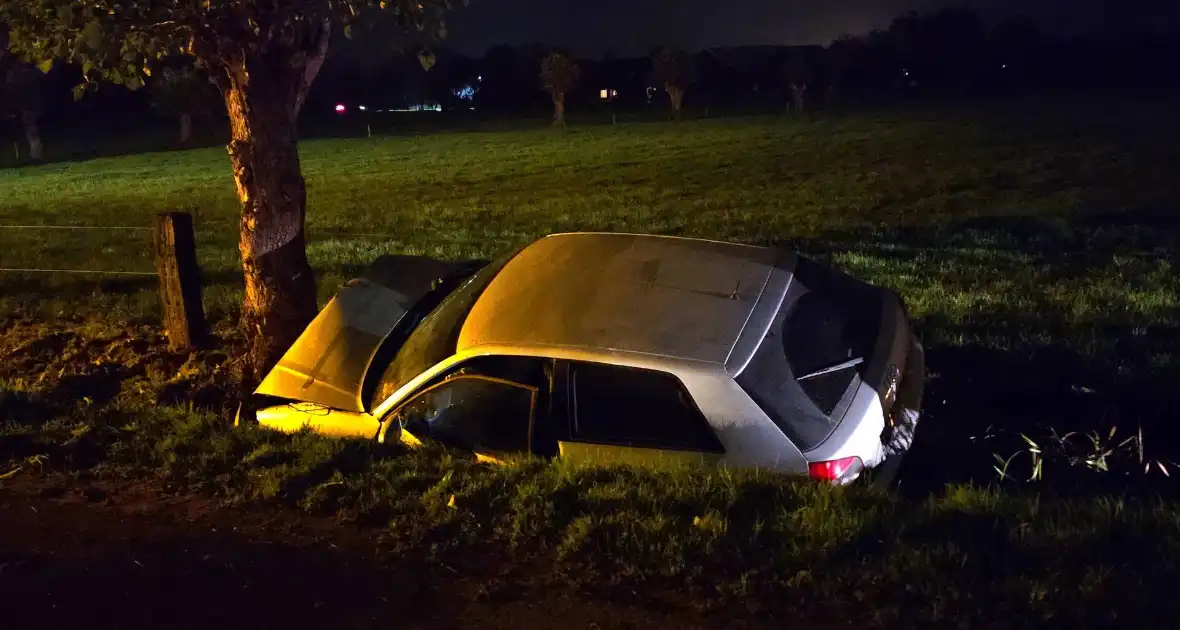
{"points": [[935, 56], [948, 54]]}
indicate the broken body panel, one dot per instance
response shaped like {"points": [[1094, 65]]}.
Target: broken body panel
{"points": [[328, 364]]}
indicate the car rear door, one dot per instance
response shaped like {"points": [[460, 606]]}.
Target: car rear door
{"points": [[625, 415]]}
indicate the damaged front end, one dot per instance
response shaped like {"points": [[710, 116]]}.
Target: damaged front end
{"points": [[327, 371]]}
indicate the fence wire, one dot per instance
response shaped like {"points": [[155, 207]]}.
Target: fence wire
{"points": [[79, 271], [74, 227], [108, 228]]}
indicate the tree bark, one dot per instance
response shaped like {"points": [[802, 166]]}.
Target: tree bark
{"points": [[30, 119], [559, 109], [280, 300], [186, 128]]}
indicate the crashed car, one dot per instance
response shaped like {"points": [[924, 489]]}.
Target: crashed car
{"points": [[614, 348]]}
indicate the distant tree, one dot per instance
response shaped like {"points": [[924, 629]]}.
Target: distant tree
{"points": [[559, 75], [798, 74], [838, 60], [21, 86], [509, 79], [945, 49], [672, 69], [182, 91], [264, 56], [21, 96], [1017, 45]]}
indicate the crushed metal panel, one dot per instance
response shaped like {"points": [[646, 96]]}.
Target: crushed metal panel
{"points": [[328, 363]]}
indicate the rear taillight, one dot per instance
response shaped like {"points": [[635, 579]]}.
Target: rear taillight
{"points": [[837, 470]]}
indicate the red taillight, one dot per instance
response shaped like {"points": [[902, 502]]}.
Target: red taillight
{"points": [[835, 470]]}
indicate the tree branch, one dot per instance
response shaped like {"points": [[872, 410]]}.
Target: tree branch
{"points": [[315, 62]]}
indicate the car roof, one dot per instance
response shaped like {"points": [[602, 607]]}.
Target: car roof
{"points": [[606, 292]]}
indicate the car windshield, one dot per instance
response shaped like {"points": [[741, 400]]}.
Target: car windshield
{"points": [[435, 338]]}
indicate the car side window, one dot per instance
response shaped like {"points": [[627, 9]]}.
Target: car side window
{"points": [[487, 404], [632, 407], [474, 412]]}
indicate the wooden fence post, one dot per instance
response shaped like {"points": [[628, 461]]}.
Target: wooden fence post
{"points": [[180, 280]]}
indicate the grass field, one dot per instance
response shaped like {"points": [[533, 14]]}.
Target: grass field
{"points": [[1034, 244]]}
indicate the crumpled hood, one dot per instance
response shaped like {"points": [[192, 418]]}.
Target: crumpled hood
{"points": [[328, 363]]}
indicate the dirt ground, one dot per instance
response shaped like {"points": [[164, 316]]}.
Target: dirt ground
{"points": [[128, 555]]}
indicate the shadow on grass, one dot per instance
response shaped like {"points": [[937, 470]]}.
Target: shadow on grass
{"points": [[980, 401], [156, 584], [1025, 362]]}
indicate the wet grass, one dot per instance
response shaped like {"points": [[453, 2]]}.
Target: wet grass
{"points": [[1034, 246], [1034, 243], [1024, 556], [763, 180]]}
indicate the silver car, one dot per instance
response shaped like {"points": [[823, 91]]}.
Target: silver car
{"points": [[614, 348]]}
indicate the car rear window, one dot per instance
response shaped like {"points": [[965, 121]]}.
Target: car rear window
{"points": [[834, 322], [817, 334]]}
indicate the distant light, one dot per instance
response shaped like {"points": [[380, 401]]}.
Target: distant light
{"points": [[340, 108], [361, 107], [479, 78], [465, 93], [420, 107], [1004, 66], [604, 94]]}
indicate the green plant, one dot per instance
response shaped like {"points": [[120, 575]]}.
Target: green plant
{"points": [[1092, 451]]}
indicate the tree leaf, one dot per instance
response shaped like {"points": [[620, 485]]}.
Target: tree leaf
{"points": [[92, 35], [427, 59], [45, 66]]}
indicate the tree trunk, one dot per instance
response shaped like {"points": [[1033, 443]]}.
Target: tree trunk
{"points": [[676, 95], [830, 95], [30, 120], [797, 90], [280, 295], [186, 128], [559, 109]]}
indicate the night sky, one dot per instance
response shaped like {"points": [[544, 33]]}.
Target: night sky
{"points": [[626, 27]]}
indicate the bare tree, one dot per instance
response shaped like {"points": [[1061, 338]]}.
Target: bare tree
{"points": [[798, 74], [672, 69], [559, 74]]}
